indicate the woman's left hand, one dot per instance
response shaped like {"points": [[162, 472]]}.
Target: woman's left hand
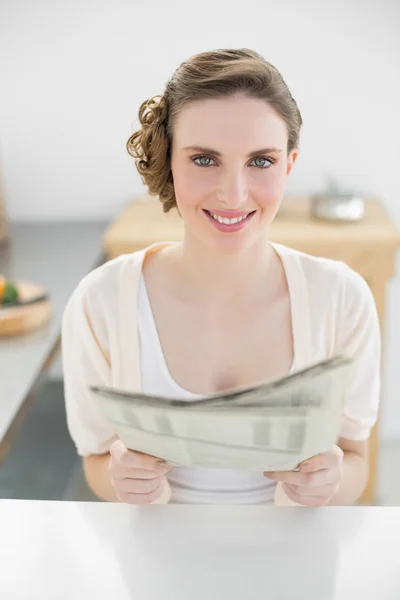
{"points": [[317, 481]]}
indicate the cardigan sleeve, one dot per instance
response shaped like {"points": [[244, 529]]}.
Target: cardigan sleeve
{"points": [[85, 362], [360, 338]]}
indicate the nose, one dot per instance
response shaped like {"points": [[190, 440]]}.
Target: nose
{"points": [[233, 189]]}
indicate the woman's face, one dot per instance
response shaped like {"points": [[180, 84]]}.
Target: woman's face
{"points": [[229, 165]]}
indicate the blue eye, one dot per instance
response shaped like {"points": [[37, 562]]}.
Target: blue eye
{"points": [[206, 161], [203, 161], [262, 162]]}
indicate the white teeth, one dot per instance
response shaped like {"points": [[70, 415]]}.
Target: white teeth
{"points": [[226, 221]]}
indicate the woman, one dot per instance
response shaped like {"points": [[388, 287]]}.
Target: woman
{"points": [[225, 307]]}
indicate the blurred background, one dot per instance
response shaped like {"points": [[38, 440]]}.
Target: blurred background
{"points": [[73, 75]]}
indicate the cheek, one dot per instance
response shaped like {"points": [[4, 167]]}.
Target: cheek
{"points": [[192, 184], [268, 188]]}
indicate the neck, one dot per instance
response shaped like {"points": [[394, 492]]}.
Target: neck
{"points": [[238, 276]]}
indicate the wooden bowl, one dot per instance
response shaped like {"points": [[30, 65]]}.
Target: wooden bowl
{"points": [[17, 320]]}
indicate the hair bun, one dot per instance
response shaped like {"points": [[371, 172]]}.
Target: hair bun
{"points": [[153, 111]]}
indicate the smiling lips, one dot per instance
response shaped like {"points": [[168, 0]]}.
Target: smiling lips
{"points": [[224, 221]]}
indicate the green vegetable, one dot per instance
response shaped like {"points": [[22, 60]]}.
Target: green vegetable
{"points": [[10, 296]]}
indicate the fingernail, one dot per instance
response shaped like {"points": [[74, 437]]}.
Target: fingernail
{"points": [[161, 464]]}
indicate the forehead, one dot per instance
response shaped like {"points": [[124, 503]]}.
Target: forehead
{"points": [[227, 124]]}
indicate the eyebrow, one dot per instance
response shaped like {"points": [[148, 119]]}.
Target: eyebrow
{"points": [[216, 153]]}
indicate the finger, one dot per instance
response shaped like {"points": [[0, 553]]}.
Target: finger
{"points": [[142, 498], [133, 459], [324, 460], [291, 477], [328, 490], [317, 478], [118, 471], [286, 476], [140, 486], [304, 500]]}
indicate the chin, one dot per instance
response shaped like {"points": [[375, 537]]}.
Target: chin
{"points": [[230, 244]]}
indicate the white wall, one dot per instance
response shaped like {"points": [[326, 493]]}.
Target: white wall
{"points": [[74, 73]]}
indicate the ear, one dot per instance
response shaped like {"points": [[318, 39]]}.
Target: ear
{"points": [[292, 157]]}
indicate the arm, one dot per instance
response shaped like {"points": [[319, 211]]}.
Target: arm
{"points": [[95, 468], [361, 338], [86, 361], [338, 477]]}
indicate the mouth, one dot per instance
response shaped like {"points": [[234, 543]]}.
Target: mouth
{"points": [[224, 223]]}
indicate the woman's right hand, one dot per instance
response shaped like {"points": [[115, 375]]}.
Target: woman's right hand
{"points": [[137, 478]]}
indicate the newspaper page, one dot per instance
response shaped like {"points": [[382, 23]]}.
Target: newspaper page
{"points": [[273, 426]]}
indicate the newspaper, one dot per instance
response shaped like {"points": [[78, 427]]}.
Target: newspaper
{"points": [[272, 426]]}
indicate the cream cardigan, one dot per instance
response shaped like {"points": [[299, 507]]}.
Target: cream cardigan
{"points": [[332, 308]]}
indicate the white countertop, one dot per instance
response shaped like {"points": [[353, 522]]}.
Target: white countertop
{"points": [[77, 551]]}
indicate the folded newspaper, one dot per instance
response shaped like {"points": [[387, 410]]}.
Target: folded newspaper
{"points": [[272, 426]]}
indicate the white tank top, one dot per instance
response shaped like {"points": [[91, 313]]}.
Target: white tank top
{"points": [[192, 485]]}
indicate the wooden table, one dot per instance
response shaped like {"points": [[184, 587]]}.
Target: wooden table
{"points": [[78, 550], [369, 247]]}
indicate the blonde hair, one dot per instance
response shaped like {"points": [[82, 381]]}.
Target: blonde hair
{"points": [[214, 74]]}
